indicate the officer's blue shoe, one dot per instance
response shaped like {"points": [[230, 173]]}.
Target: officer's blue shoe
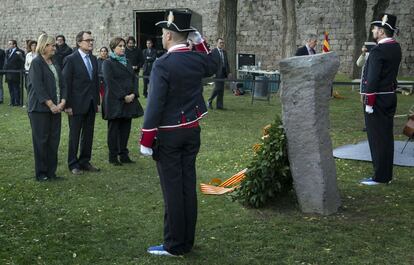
{"points": [[365, 179], [371, 182], [160, 251]]}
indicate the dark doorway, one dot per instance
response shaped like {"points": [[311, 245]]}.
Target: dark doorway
{"points": [[145, 26]]}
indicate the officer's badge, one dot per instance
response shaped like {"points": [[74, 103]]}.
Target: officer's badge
{"points": [[170, 18], [384, 20]]}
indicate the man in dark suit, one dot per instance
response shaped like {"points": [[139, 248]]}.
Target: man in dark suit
{"points": [[2, 58], [378, 84], [62, 50], [309, 48], [134, 55], [14, 61], [150, 54], [223, 70], [176, 94], [80, 71]]}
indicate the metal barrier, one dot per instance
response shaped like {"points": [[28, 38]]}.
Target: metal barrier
{"points": [[257, 87]]}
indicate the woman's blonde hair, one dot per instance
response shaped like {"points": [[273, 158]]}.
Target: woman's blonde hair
{"points": [[43, 41]]}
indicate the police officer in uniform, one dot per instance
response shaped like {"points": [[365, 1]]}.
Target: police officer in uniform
{"points": [[175, 106], [379, 81]]}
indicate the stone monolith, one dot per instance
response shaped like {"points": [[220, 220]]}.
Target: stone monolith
{"points": [[305, 95]]}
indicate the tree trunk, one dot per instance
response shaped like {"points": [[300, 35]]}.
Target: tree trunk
{"points": [[360, 34], [288, 28], [226, 29]]}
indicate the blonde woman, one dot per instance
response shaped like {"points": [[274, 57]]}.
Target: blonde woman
{"points": [[47, 98]]}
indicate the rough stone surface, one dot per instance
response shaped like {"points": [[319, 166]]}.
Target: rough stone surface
{"points": [[259, 23], [305, 94]]}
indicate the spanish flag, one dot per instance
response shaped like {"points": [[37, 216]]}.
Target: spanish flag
{"points": [[326, 47]]}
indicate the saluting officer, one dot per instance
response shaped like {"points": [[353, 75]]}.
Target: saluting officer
{"points": [[379, 81], [175, 106]]}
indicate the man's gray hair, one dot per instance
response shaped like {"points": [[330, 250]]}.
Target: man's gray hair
{"points": [[311, 36]]}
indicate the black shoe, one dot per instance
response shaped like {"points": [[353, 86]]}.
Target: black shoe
{"points": [[56, 178], [76, 171], [89, 167], [42, 178], [126, 160], [115, 162], [209, 105]]}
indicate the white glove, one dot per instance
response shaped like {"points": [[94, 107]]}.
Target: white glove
{"points": [[369, 109], [145, 151], [195, 37]]}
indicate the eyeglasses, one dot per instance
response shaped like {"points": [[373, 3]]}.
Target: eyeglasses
{"points": [[89, 40]]}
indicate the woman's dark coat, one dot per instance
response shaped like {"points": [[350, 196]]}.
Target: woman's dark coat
{"points": [[120, 81]]}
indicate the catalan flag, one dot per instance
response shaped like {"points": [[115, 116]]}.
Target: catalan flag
{"points": [[224, 187], [326, 47]]}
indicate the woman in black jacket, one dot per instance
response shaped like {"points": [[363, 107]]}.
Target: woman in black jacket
{"points": [[46, 100], [120, 102]]}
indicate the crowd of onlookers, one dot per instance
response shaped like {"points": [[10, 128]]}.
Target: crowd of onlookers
{"points": [[15, 63], [60, 79]]}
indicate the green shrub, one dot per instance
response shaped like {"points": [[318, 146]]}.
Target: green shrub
{"points": [[268, 174]]}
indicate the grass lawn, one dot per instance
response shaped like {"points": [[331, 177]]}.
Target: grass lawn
{"points": [[111, 217]]}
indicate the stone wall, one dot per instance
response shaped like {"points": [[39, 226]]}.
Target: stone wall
{"points": [[404, 9], [259, 23], [22, 20]]}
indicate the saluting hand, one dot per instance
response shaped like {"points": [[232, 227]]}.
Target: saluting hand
{"points": [[195, 37]]}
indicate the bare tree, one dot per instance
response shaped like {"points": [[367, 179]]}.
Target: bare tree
{"points": [[360, 34], [226, 28], [289, 30], [360, 27]]}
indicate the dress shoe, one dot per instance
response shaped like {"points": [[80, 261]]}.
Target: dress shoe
{"points": [[160, 251], [126, 160], [56, 178], [42, 178], [372, 182], [76, 171], [115, 162], [89, 167]]}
